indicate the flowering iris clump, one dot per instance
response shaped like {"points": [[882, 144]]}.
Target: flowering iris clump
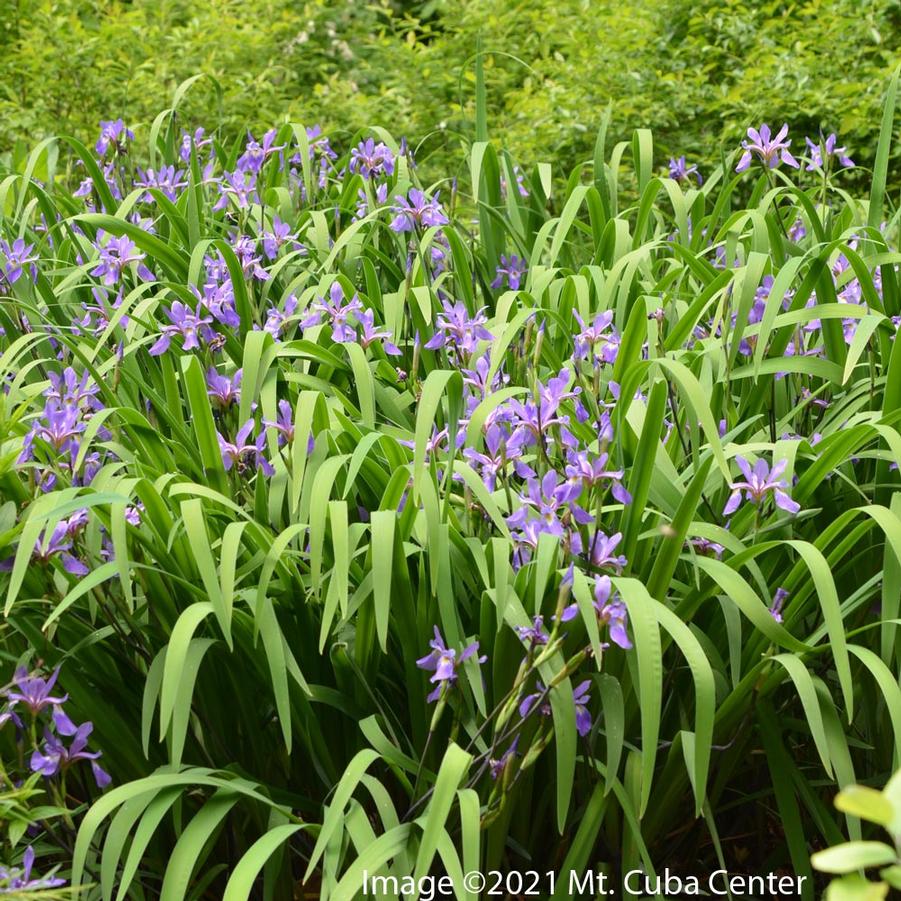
{"points": [[285, 410]]}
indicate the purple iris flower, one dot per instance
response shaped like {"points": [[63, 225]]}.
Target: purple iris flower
{"points": [[511, 270], [255, 154], [680, 171], [169, 181], [115, 255], [797, 230], [55, 756], [319, 144], [822, 153], [196, 140], [10, 716], [222, 390], [496, 457], [599, 340], [219, 299], [529, 701], [779, 598], [498, 765], [760, 481], [33, 692], [337, 312], [444, 663], [284, 424], [588, 470], [243, 455], [59, 544], [612, 614], [370, 334], [59, 427], [71, 391], [551, 499], [193, 327], [520, 183], [535, 634], [580, 699], [245, 248], [770, 150], [239, 186], [456, 328], [602, 548], [15, 879], [532, 421], [113, 134], [277, 320], [19, 255], [416, 211], [279, 235], [372, 160], [707, 547]]}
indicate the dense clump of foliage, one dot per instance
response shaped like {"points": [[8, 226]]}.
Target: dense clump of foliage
{"points": [[354, 524], [693, 73]]}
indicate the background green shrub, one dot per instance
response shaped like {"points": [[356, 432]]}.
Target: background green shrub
{"points": [[696, 74]]}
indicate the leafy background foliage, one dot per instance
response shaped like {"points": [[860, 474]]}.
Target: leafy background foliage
{"points": [[695, 74]]}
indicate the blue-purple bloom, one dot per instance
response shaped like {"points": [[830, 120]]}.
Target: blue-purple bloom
{"points": [[779, 598], [372, 160], [580, 699], [14, 880], [337, 312], [497, 766], [588, 470], [455, 328], [115, 256], [822, 153], [113, 134], [760, 482], [243, 455], [284, 425], [55, 756], [768, 149], [680, 171], [612, 614], [535, 634], [416, 210], [168, 180], [599, 340], [33, 691], [444, 663], [222, 390], [510, 271], [192, 326], [255, 154], [369, 334], [601, 551], [18, 257]]}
